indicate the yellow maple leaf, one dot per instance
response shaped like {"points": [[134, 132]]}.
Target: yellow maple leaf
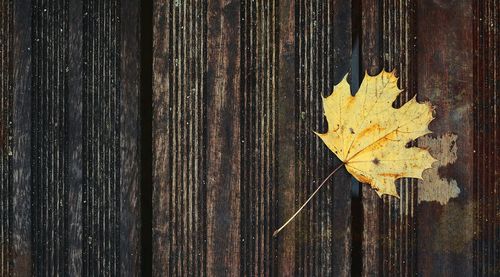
{"points": [[370, 137]]}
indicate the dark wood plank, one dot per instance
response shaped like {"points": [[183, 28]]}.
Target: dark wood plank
{"points": [[486, 141], [6, 23], [286, 156], [323, 54], [71, 191], [15, 141], [371, 51], [259, 67], [73, 138], [225, 201], [21, 255], [223, 107], [48, 161], [196, 134], [180, 139], [128, 29], [389, 241], [101, 139], [445, 77]]}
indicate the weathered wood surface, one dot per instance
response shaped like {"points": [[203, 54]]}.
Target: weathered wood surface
{"points": [[389, 236], [236, 91], [179, 162], [430, 44], [70, 130], [486, 140], [232, 128], [445, 77]]}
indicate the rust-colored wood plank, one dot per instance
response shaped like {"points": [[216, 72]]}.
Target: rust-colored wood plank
{"points": [[486, 140], [323, 53], [389, 240], [445, 77]]}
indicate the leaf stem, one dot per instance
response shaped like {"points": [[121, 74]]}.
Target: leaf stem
{"points": [[307, 201]]}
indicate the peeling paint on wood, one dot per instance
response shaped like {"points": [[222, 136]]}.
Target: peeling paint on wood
{"points": [[435, 186]]}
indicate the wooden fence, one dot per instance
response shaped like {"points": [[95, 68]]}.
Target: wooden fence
{"points": [[172, 137]]}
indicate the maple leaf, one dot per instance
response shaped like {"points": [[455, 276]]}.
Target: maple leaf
{"points": [[370, 136]]}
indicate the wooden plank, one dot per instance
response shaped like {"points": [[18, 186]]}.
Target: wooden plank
{"points": [[21, 253], [110, 137], [223, 104], [73, 156], [180, 139], [259, 67], [229, 209], [47, 146], [71, 191], [14, 152], [445, 77], [5, 135], [389, 240], [486, 141], [128, 26], [371, 51], [286, 156], [323, 53]]}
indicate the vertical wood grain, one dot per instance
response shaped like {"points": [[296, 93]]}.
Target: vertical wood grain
{"points": [[243, 129], [73, 139], [49, 186], [6, 22], [399, 218], [287, 119], [128, 25], [21, 255], [63, 108], [180, 139], [486, 141], [237, 88], [258, 136], [371, 53], [101, 96], [389, 240], [323, 51], [223, 105], [445, 78]]}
